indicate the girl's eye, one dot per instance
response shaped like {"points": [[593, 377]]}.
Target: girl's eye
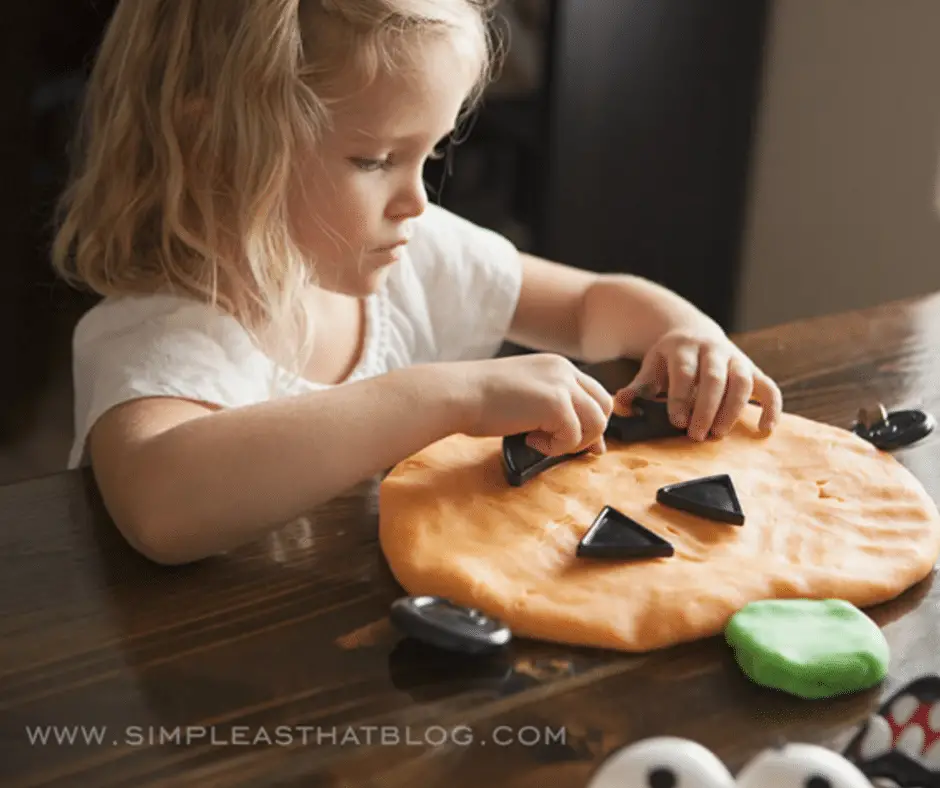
{"points": [[370, 165]]}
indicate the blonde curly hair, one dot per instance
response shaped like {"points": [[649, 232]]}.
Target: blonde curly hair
{"points": [[194, 115]]}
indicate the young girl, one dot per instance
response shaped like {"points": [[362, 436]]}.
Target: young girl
{"points": [[284, 313]]}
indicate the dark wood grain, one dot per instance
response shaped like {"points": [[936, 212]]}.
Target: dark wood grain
{"points": [[294, 632]]}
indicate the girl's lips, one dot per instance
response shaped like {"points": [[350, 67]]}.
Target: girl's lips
{"points": [[392, 246]]}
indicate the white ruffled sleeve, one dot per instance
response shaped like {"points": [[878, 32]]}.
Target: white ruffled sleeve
{"points": [[161, 346]]}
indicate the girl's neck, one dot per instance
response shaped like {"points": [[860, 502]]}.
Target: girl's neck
{"points": [[339, 330]]}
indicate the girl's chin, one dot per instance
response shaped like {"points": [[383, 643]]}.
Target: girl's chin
{"points": [[366, 283], [362, 277]]}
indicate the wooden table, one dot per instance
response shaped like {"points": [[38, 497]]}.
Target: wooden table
{"points": [[268, 667]]}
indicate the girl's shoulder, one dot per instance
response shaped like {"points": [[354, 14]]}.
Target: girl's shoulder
{"points": [[166, 341], [133, 347], [143, 318]]}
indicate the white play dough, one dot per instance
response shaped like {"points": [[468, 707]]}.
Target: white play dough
{"points": [[793, 765], [693, 766], [672, 762]]}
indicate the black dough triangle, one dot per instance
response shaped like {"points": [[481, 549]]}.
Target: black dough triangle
{"points": [[712, 497], [614, 535]]}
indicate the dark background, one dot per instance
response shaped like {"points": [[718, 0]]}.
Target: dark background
{"points": [[621, 142]]}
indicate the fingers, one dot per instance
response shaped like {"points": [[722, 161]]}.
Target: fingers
{"points": [[598, 393], [682, 368], [769, 395], [579, 418], [649, 381], [710, 391], [562, 434], [724, 390], [593, 414], [737, 395]]}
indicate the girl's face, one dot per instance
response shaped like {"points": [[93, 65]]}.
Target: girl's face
{"points": [[359, 194]]}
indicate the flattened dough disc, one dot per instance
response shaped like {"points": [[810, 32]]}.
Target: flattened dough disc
{"points": [[828, 517]]}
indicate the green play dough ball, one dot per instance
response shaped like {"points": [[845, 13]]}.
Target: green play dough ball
{"points": [[809, 648]]}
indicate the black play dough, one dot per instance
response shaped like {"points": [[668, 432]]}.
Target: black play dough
{"points": [[712, 497], [521, 462], [649, 420], [614, 535]]}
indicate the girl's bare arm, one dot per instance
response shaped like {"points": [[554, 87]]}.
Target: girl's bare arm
{"points": [[183, 481]]}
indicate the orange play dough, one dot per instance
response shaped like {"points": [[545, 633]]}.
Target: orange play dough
{"points": [[827, 516]]}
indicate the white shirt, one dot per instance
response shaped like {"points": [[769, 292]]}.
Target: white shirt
{"points": [[450, 297]]}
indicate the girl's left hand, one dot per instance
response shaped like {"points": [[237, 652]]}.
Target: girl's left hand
{"points": [[708, 381]]}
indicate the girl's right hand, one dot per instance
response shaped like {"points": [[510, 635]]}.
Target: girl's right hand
{"points": [[563, 409]]}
